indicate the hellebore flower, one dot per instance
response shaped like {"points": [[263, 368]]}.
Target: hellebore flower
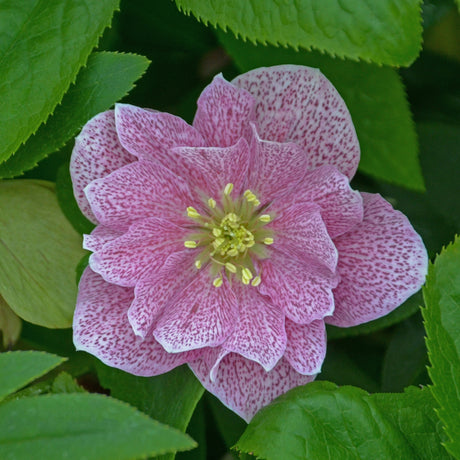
{"points": [[228, 244]]}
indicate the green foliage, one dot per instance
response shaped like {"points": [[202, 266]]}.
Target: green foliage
{"points": [[41, 51], [322, 421], [372, 31], [18, 368], [106, 78], [10, 324], [38, 254], [442, 323], [375, 97], [82, 425]]}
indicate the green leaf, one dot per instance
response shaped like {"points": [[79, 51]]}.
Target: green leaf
{"points": [[39, 251], [375, 97], [372, 31], [106, 78], [442, 324], [322, 421], [76, 426], [10, 324], [170, 398], [18, 368], [41, 51]]}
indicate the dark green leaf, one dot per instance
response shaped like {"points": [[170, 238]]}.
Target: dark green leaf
{"points": [[442, 323], [41, 51], [378, 31], [375, 97], [76, 426], [18, 368], [106, 78]]}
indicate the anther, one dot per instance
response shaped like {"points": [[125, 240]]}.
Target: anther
{"points": [[268, 240], [228, 189], [247, 274], [230, 267], [256, 281], [216, 231], [192, 212], [265, 218], [190, 244], [218, 282], [198, 264]]}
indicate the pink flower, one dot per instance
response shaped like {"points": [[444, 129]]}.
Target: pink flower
{"points": [[228, 244]]}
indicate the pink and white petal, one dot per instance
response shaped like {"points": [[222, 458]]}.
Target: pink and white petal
{"points": [[143, 249], [224, 113], [300, 232], [153, 293], [150, 135], [381, 263], [259, 333], [304, 295], [275, 167], [244, 386], [341, 206], [96, 154], [100, 327], [209, 169], [299, 104], [306, 346], [98, 237], [136, 191], [200, 316]]}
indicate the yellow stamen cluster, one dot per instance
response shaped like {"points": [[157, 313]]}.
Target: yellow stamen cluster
{"points": [[229, 236]]}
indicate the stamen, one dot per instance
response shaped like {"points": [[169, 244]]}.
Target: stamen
{"points": [[218, 282], [230, 267], [256, 281], [212, 203], [198, 264], [268, 240], [216, 232], [265, 218], [228, 189], [192, 212], [190, 244], [246, 273]]}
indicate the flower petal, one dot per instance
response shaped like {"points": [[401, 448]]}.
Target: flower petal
{"points": [[100, 327], [341, 206], [96, 154], [200, 316], [306, 346], [98, 237], [299, 104], [149, 134], [275, 167], [153, 293], [303, 295], [381, 263], [243, 385], [141, 250], [224, 113], [259, 333], [209, 169], [300, 232], [136, 191]]}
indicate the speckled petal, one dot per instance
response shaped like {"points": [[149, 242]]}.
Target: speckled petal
{"points": [[299, 104], [200, 316], [275, 167], [304, 296], [306, 346], [149, 134], [381, 263], [143, 249], [136, 191], [224, 113], [259, 333], [98, 237], [100, 327], [154, 293], [210, 169], [243, 385], [300, 232], [341, 206], [96, 154]]}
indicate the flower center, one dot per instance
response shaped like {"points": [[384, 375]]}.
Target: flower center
{"points": [[230, 236]]}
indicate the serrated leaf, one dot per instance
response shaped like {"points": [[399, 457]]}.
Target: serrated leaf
{"points": [[106, 78], [373, 31], [442, 324], [375, 97], [76, 426], [18, 368], [39, 251], [41, 51], [322, 421]]}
